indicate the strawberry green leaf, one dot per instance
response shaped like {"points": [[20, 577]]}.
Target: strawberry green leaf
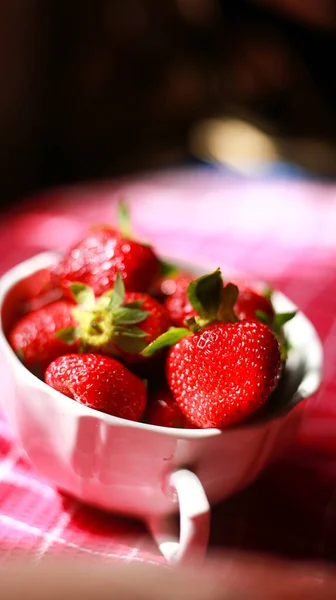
{"points": [[229, 295], [281, 319], [263, 317], [104, 301], [205, 294], [283, 351], [82, 294], [68, 335], [166, 340], [135, 304], [129, 316], [124, 220], [268, 293], [118, 293], [168, 269], [285, 347]]}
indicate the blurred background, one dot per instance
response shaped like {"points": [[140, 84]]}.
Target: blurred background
{"points": [[127, 90], [98, 88]]}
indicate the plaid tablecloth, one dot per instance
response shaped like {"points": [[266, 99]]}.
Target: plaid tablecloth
{"points": [[283, 232]]}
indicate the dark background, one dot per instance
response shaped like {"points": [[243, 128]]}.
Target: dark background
{"points": [[95, 88]]}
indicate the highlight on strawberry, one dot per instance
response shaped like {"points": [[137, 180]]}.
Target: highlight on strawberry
{"points": [[221, 346], [99, 382], [105, 251]]}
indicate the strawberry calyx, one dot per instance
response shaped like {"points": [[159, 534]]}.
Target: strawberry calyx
{"points": [[215, 302], [106, 323], [212, 300]]}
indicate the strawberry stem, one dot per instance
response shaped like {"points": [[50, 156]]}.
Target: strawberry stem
{"points": [[168, 269], [212, 300], [124, 220]]}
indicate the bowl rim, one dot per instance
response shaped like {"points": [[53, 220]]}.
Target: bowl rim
{"points": [[308, 385]]}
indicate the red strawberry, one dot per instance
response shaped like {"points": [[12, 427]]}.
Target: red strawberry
{"points": [[168, 280], [153, 326], [224, 373], [97, 258], [179, 307], [33, 336], [249, 303], [99, 382], [252, 305], [164, 410], [177, 304], [118, 323], [219, 369], [40, 290]]}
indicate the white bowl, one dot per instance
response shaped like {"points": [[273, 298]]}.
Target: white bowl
{"points": [[132, 468]]}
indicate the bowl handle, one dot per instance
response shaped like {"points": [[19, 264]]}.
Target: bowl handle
{"points": [[189, 545]]}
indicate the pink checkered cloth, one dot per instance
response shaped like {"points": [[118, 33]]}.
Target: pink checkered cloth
{"points": [[280, 232]]}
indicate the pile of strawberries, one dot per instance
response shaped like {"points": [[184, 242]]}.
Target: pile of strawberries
{"points": [[131, 336]]}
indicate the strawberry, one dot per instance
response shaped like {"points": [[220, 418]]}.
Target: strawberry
{"points": [[250, 304], [99, 382], [40, 290], [33, 336], [156, 323], [164, 410], [177, 303], [168, 280], [119, 323], [224, 373], [96, 259], [225, 303], [219, 369]]}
